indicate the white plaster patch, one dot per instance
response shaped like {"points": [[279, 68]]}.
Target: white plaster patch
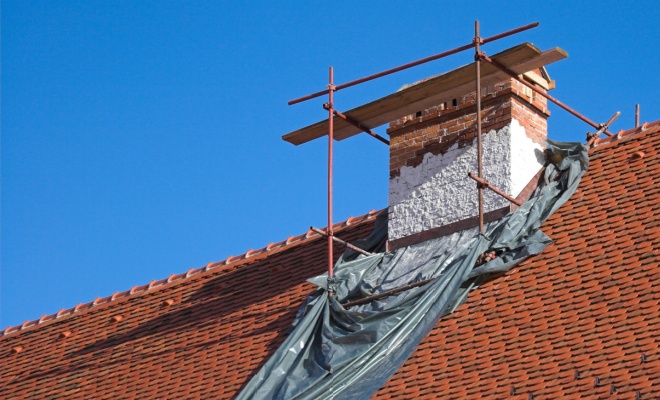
{"points": [[526, 158], [438, 191]]}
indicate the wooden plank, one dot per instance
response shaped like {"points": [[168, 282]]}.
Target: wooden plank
{"points": [[536, 78], [522, 58]]}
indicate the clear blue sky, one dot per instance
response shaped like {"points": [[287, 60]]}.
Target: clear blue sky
{"points": [[142, 138]]}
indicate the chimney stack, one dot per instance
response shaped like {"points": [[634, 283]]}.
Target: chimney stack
{"points": [[432, 151]]}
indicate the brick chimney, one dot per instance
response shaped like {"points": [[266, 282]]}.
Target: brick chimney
{"points": [[432, 151]]}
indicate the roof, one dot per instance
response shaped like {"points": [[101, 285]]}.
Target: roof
{"points": [[199, 336], [582, 319]]}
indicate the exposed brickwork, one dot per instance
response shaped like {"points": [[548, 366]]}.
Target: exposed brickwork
{"points": [[438, 128]]}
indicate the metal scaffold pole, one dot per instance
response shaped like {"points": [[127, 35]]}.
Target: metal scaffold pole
{"points": [[477, 49], [330, 233]]}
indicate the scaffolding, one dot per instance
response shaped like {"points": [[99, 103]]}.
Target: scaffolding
{"points": [[364, 118]]}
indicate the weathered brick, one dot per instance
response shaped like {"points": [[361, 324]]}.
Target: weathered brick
{"points": [[442, 126]]}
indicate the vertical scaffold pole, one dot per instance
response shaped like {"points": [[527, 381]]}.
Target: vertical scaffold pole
{"points": [[331, 109], [477, 59]]}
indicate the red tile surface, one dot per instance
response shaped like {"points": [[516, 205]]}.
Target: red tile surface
{"points": [[580, 320], [223, 322], [586, 310]]}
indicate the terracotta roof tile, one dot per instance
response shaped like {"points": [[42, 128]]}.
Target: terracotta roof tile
{"points": [[580, 320], [587, 303], [217, 330]]}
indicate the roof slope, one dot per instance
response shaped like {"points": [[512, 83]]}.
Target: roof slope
{"points": [[219, 328], [582, 319]]}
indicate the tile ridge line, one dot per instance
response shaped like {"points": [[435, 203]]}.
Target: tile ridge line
{"points": [[271, 248], [624, 134]]}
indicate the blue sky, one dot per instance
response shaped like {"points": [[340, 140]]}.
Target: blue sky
{"points": [[142, 138]]}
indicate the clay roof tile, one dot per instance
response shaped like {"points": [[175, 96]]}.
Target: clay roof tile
{"points": [[589, 303]]}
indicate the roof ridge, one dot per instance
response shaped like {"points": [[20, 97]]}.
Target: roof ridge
{"points": [[140, 289], [625, 133]]}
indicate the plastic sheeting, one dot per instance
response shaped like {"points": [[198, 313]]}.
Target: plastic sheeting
{"points": [[338, 353]]}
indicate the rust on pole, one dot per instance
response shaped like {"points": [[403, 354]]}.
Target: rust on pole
{"points": [[591, 137], [386, 293], [637, 116], [543, 93], [359, 125], [345, 243], [509, 33], [609, 122], [484, 184], [414, 63], [591, 140], [330, 233], [477, 47]]}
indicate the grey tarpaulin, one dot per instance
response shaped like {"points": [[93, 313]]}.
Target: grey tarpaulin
{"points": [[338, 353]]}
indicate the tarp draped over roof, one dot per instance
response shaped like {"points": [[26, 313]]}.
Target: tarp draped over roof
{"points": [[338, 353]]}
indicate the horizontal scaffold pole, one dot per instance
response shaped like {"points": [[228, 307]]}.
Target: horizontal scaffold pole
{"points": [[387, 293], [591, 138], [542, 92], [336, 239], [486, 185], [414, 63], [358, 125]]}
